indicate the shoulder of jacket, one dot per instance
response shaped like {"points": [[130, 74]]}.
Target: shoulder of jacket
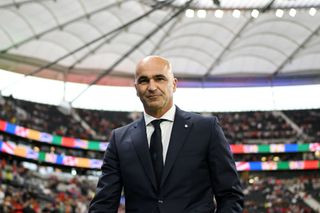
{"points": [[198, 117], [126, 127]]}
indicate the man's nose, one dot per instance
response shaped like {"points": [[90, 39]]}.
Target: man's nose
{"points": [[152, 85]]}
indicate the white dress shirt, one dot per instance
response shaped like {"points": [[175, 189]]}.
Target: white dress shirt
{"points": [[166, 128]]}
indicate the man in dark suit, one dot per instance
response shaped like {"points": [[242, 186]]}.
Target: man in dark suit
{"points": [[168, 161]]}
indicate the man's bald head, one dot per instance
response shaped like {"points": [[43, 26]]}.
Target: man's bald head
{"points": [[154, 62]]}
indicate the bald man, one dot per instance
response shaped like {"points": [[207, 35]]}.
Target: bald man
{"points": [[169, 161]]}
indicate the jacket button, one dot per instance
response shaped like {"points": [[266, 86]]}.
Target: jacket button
{"points": [[160, 201]]}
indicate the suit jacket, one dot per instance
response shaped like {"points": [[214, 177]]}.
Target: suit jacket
{"points": [[198, 166]]}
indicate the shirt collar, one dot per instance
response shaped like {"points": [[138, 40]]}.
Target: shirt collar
{"points": [[169, 116]]}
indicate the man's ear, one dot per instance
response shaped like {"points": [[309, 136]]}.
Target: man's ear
{"points": [[175, 81], [135, 86]]}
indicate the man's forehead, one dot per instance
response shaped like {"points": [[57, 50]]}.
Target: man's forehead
{"points": [[153, 67], [152, 70], [153, 62]]}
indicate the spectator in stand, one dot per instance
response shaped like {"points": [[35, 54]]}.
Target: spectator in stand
{"points": [[2, 195]]}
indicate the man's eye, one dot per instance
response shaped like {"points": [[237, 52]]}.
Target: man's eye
{"points": [[143, 81], [160, 79]]}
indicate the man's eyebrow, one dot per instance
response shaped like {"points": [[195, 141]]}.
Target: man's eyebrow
{"points": [[142, 77], [159, 75]]}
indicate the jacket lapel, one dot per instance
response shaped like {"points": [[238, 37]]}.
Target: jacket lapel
{"points": [[181, 128], [140, 142]]}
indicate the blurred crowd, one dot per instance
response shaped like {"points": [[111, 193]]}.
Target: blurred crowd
{"points": [[281, 194], [308, 120], [24, 190], [239, 127], [249, 126], [29, 190], [41, 117], [32, 191], [103, 122]]}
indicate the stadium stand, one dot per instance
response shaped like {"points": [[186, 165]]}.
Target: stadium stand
{"points": [[104, 121], [36, 116], [308, 120], [25, 190], [35, 185], [244, 127], [278, 192]]}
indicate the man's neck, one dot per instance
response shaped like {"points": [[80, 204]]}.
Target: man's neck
{"points": [[157, 113]]}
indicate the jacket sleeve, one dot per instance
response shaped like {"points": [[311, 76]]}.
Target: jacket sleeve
{"points": [[224, 177], [109, 186]]}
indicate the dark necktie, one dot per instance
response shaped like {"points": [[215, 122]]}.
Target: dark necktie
{"points": [[156, 150]]}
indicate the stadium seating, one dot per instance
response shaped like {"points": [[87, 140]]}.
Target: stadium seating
{"points": [[40, 182]]}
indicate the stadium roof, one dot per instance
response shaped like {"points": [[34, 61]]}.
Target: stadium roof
{"points": [[209, 42]]}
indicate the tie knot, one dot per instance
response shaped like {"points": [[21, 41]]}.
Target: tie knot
{"points": [[156, 123]]}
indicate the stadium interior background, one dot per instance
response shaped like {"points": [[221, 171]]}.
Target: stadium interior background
{"points": [[66, 80]]}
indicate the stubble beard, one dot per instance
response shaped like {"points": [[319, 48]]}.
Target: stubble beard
{"points": [[157, 109], [154, 107]]}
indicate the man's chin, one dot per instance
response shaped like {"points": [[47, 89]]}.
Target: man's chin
{"points": [[153, 105]]}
